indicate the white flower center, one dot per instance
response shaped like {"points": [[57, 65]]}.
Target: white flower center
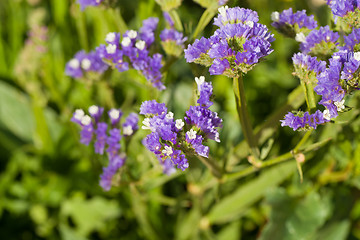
{"points": [[222, 11], [86, 64], [74, 63], [191, 134], [169, 116], [357, 56], [127, 131], [79, 113], [200, 80], [340, 105], [249, 23], [132, 34], [275, 16], [167, 151], [126, 41], [326, 114], [93, 109], [179, 123], [300, 37], [110, 37], [140, 45], [111, 48], [114, 114], [86, 120]]}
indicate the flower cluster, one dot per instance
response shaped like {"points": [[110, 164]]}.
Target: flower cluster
{"points": [[83, 63], [303, 120], [289, 23], [87, 3], [352, 41], [304, 64], [106, 137], [171, 140], [236, 47], [343, 7], [132, 50]]}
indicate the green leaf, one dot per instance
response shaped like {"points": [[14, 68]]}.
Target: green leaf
{"points": [[293, 218], [334, 231], [232, 206]]}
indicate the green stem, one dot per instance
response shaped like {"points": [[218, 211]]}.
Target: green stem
{"points": [[177, 22], [271, 162], [119, 20], [205, 18], [309, 94], [213, 166], [244, 116]]}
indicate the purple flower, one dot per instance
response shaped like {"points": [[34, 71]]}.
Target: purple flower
{"points": [[115, 116], [352, 40], [318, 38], [235, 15], [350, 70], [205, 92], [130, 125], [195, 50], [87, 130], [219, 66], [113, 142], [306, 62], [152, 107], [172, 35], [342, 7], [303, 120], [96, 112], [152, 143], [86, 3], [168, 19], [100, 137], [286, 20], [108, 172]]}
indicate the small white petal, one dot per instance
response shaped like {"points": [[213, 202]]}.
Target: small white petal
{"points": [[179, 124], [86, 64], [146, 123], [300, 37], [93, 109], [86, 120], [132, 34], [74, 63], [169, 116], [114, 114], [275, 16], [79, 114], [167, 151], [200, 80], [336, 57], [326, 114], [340, 105], [357, 56], [191, 134], [111, 48], [249, 23], [110, 37], [126, 42], [140, 45], [222, 11], [127, 131]]}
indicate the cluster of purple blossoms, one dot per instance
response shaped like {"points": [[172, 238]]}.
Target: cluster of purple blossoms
{"points": [[106, 137], [86, 3], [320, 42], [236, 47], [303, 120], [305, 64], [341, 8], [85, 62], [289, 23], [133, 50], [172, 139], [352, 41]]}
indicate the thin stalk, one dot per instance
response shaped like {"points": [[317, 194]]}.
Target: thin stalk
{"points": [[213, 166], [177, 21], [244, 116], [119, 20], [271, 162], [205, 18], [309, 94]]}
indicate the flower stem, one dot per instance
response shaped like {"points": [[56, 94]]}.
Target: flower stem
{"points": [[244, 116], [205, 18], [213, 166]]}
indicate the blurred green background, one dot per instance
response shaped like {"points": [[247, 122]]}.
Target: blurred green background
{"points": [[49, 181]]}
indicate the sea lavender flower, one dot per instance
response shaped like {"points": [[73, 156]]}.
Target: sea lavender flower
{"points": [[321, 43], [107, 137], [343, 7], [86, 3], [304, 64], [172, 41], [236, 46], [304, 120], [289, 23], [171, 140], [352, 40], [350, 72]]}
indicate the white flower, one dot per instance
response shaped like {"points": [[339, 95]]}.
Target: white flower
{"points": [[110, 37], [74, 63], [132, 34], [336, 57], [249, 23], [326, 114], [93, 109], [191, 134], [85, 120], [140, 45], [146, 123], [327, 38], [340, 105], [300, 37], [111, 48], [200, 80], [126, 41], [222, 11], [127, 131], [79, 113], [275, 16], [179, 124], [114, 114], [357, 56], [217, 138], [167, 151], [86, 64], [169, 116]]}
